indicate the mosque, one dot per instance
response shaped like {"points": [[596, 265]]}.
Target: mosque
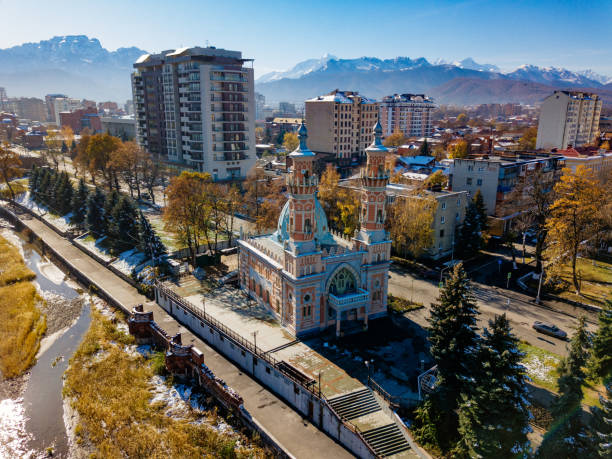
{"points": [[312, 278]]}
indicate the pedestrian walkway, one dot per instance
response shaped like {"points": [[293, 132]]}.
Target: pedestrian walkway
{"points": [[294, 433]]}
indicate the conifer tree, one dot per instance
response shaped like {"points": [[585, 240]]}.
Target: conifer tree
{"points": [[124, 224], [34, 181], [600, 364], [470, 238], [64, 194], [454, 347], [481, 211], [148, 241], [602, 425], [43, 188], [112, 199], [494, 420], [567, 436], [424, 149], [79, 204], [95, 212]]}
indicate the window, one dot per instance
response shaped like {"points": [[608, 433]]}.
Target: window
{"points": [[443, 205], [442, 219], [458, 202], [441, 233], [307, 311], [479, 182], [468, 181], [470, 168], [307, 298]]}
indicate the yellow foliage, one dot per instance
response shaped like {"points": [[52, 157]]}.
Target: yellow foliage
{"points": [[410, 222], [290, 141], [112, 395], [341, 205], [21, 322], [458, 149]]}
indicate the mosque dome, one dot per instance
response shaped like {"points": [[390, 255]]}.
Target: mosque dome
{"points": [[322, 234]]}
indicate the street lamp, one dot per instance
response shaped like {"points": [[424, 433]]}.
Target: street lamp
{"points": [[368, 364]]}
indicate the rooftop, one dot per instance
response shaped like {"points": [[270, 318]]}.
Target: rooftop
{"points": [[343, 97]]}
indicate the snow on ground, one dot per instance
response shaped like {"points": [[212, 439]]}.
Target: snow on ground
{"points": [[129, 260], [539, 367], [62, 223], [95, 246], [50, 271]]}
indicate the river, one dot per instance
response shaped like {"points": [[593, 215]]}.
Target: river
{"points": [[31, 419]]}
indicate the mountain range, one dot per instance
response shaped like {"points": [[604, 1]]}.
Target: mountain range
{"points": [[75, 65], [80, 67], [458, 82]]}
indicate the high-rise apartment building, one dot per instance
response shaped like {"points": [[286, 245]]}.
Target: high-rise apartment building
{"points": [[3, 99], [196, 107], [409, 114], [50, 103], [568, 118], [340, 123], [64, 104], [29, 108], [260, 102]]}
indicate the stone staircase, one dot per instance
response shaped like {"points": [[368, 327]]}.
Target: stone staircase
{"points": [[355, 404], [386, 440], [362, 409]]}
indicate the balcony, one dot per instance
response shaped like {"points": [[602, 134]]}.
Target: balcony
{"points": [[349, 301], [231, 156]]}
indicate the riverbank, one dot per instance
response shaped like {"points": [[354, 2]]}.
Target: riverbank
{"points": [[22, 323], [124, 406]]}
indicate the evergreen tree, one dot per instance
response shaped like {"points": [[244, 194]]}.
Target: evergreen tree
{"points": [[600, 364], [124, 226], [567, 436], [95, 212], [52, 194], [79, 204], [424, 149], [33, 181], [470, 237], [454, 347], [148, 241], [112, 199], [64, 194], [43, 187], [481, 211], [602, 425], [494, 420]]}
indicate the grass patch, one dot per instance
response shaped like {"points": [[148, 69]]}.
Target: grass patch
{"points": [[542, 366], [401, 305], [111, 391], [19, 186], [596, 281], [21, 322]]}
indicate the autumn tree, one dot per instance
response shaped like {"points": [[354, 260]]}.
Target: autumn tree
{"points": [[458, 149], [9, 167], [528, 140], [100, 149], [436, 181], [410, 222], [68, 138], [396, 139], [290, 141], [575, 218], [53, 152], [129, 162], [81, 159], [341, 204], [186, 212]]}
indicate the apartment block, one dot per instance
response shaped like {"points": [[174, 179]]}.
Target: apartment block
{"points": [[497, 177], [196, 108], [340, 123], [65, 104], [410, 114], [568, 118], [30, 108]]}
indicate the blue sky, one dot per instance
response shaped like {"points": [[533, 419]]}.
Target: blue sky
{"points": [[572, 34]]}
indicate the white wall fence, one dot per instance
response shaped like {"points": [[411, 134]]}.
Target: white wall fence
{"points": [[264, 368]]}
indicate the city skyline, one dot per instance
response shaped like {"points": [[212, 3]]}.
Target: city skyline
{"points": [[507, 34]]}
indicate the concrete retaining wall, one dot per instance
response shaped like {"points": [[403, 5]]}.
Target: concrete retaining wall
{"points": [[263, 369]]}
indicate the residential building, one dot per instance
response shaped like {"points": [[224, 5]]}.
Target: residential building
{"points": [[3, 100], [30, 108], [310, 278], [275, 129], [339, 123], [286, 109], [128, 107], [568, 118], [410, 114], [598, 160], [123, 127], [196, 107], [80, 119], [50, 103], [497, 178], [65, 104], [260, 103]]}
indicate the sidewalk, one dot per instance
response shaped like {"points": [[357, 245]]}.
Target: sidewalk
{"points": [[295, 434]]}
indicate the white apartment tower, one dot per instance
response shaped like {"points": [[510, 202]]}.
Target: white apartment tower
{"points": [[409, 114], [568, 118], [196, 107]]}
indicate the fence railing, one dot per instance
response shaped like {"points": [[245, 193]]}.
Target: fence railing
{"points": [[246, 344]]}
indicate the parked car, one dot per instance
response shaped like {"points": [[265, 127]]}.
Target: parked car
{"points": [[549, 329]]}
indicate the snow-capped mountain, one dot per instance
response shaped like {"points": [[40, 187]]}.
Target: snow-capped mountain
{"points": [[74, 64], [297, 70], [591, 75], [469, 63], [551, 75]]}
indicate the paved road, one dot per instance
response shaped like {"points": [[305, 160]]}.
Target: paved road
{"points": [[491, 301], [295, 433]]}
